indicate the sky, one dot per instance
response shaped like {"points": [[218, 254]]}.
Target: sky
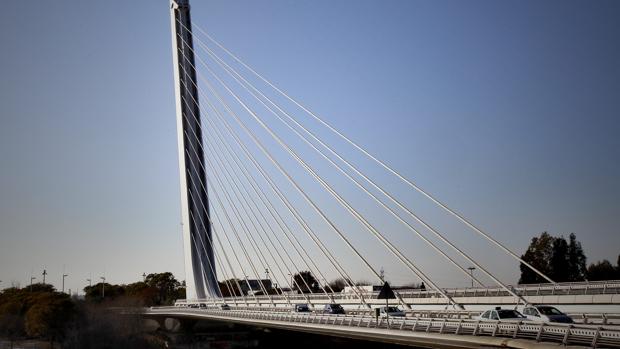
{"points": [[506, 111]]}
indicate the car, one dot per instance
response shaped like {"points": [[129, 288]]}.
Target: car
{"points": [[193, 305], [502, 314], [224, 307], [391, 312], [333, 308], [546, 313], [203, 306], [301, 308]]}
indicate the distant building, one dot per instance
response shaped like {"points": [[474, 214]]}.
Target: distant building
{"points": [[362, 289], [253, 287], [377, 288]]}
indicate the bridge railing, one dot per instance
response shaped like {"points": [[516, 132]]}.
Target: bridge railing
{"points": [[567, 288], [579, 318], [594, 336]]}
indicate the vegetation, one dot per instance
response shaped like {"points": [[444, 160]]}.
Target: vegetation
{"points": [[604, 270], [39, 311], [337, 285], [563, 261], [304, 282]]}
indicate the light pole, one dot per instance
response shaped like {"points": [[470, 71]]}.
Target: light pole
{"points": [[102, 287], [471, 273], [90, 282], [63, 282], [32, 278], [44, 273], [292, 281]]}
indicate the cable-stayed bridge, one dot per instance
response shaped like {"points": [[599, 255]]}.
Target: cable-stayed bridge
{"points": [[271, 191]]}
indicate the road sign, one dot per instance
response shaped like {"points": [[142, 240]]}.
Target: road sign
{"points": [[386, 292]]}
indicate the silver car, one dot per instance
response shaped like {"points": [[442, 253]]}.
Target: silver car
{"points": [[502, 314]]}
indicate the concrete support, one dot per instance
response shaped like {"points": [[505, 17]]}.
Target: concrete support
{"points": [[200, 279]]}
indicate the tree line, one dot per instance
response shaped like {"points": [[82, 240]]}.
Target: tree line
{"points": [[563, 260], [40, 311]]}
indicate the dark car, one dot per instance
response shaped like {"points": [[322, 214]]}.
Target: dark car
{"points": [[546, 313], [225, 307], [333, 309], [301, 308]]}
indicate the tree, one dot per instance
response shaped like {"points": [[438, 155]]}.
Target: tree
{"points": [[557, 258], [576, 260], [146, 295], [11, 319], [304, 282], [49, 316], [602, 270], [103, 292], [41, 287], [337, 285], [558, 270], [538, 255], [166, 286]]}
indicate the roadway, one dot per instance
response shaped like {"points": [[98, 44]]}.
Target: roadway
{"points": [[419, 332]]}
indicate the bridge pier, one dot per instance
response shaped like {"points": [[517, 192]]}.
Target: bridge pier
{"points": [[173, 324]]}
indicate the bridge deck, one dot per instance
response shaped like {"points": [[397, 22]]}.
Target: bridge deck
{"points": [[421, 332]]}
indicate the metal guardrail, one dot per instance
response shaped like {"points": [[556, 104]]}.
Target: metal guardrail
{"points": [[596, 318], [579, 318], [592, 336], [570, 288]]}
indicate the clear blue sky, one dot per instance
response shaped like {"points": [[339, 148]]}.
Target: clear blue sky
{"points": [[508, 111]]}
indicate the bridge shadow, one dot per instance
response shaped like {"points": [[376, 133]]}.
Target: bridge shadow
{"points": [[212, 334]]}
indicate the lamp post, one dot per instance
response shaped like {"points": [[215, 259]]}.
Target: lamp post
{"points": [[90, 282], [102, 287], [44, 273], [63, 282], [471, 273], [32, 278]]}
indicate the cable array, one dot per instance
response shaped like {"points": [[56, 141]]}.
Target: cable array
{"points": [[263, 190]]}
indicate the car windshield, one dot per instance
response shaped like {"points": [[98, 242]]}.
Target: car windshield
{"points": [[393, 310], [549, 311], [506, 314]]}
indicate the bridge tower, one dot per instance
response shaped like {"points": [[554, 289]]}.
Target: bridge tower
{"points": [[200, 278]]}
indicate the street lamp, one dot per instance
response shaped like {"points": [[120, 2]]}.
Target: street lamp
{"points": [[63, 282], [44, 273], [471, 273], [102, 287], [90, 282], [32, 278]]}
